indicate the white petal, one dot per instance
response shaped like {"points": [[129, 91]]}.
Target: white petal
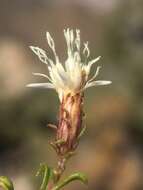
{"points": [[76, 74], [56, 78], [87, 68], [77, 57], [40, 85], [77, 40], [96, 74], [40, 53], [69, 36], [63, 75], [42, 75], [70, 65], [90, 63], [60, 68], [60, 93], [86, 50], [97, 83], [52, 45], [50, 41]]}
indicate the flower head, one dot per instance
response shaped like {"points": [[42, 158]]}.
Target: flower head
{"points": [[72, 76]]}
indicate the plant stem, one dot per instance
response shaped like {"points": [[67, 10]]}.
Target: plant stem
{"points": [[58, 172], [60, 169]]}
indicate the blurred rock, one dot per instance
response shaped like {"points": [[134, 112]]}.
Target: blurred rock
{"points": [[22, 182], [14, 68]]}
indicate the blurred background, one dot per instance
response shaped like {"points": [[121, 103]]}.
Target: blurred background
{"points": [[110, 152]]}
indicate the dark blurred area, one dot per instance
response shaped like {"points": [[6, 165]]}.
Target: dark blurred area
{"points": [[110, 152]]}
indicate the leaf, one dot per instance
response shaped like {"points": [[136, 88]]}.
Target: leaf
{"points": [[6, 183], [46, 173], [76, 176]]}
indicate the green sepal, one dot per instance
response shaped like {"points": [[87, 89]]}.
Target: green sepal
{"points": [[46, 173], [56, 143], [82, 132], [76, 176], [6, 183], [59, 142]]}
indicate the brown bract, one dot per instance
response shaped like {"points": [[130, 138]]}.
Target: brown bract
{"points": [[70, 123]]}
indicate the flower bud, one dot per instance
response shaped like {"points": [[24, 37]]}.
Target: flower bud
{"points": [[70, 123]]}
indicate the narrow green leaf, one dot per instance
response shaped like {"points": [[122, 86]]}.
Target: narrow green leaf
{"points": [[76, 176], [46, 173], [6, 183]]}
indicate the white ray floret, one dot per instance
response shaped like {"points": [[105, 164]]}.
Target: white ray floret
{"points": [[73, 76], [41, 85]]}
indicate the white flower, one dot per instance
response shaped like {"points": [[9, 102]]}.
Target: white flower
{"points": [[73, 76]]}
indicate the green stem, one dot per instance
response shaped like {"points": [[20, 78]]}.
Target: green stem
{"points": [[58, 172]]}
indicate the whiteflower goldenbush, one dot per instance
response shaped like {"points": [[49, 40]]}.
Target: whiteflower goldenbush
{"points": [[70, 79], [72, 76]]}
